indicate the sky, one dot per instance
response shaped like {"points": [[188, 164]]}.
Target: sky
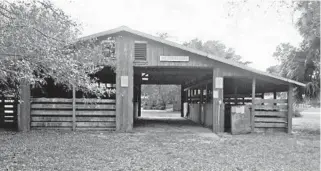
{"points": [[253, 31]]}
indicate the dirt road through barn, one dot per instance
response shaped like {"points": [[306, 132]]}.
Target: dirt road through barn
{"points": [[170, 122]]}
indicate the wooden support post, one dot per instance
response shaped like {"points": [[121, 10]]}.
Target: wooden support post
{"points": [[188, 101], [218, 110], [18, 115], [124, 83], [235, 93], [139, 100], [290, 108], [205, 105], [274, 96], [2, 98], [182, 100], [206, 89], [188, 95], [253, 108], [24, 120], [73, 108], [201, 106], [262, 97]]}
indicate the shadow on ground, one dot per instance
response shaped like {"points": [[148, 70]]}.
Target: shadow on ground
{"points": [[164, 121]]}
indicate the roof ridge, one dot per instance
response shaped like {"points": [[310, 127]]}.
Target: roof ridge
{"points": [[195, 51]]}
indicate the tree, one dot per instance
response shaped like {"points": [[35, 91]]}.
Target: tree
{"points": [[298, 63], [161, 95], [303, 63], [39, 41], [215, 48], [163, 35], [275, 70]]}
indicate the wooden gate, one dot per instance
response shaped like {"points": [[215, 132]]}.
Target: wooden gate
{"points": [[57, 113], [8, 113], [270, 115]]}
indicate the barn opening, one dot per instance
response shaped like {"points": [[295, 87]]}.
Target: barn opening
{"points": [[180, 108]]}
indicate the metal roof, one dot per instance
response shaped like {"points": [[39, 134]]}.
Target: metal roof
{"points": [[198, 52]]}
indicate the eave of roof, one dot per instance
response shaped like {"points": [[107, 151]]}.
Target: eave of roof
{"points": [[198, 52]]}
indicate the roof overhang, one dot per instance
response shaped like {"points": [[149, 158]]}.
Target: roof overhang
{"points": [[197, 52]]}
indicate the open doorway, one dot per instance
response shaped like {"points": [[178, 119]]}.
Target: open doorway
{"points": [[160, 95], [161, 101]]}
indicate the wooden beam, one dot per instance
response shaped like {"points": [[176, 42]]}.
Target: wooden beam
{"points": [[274, 95], [214, 112], [201, 105], [253, 107], [139, 100], [235, 93], [218, 111], [73, 108], [24, 120], [124, 92], [290, 108], [182, 100]]}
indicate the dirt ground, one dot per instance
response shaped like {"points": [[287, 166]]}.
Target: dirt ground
{"points": [[159, 144]]}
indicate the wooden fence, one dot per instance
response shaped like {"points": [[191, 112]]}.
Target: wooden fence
{"points": [[270, 114], [237, 100], [86, 114], [8, 113]]}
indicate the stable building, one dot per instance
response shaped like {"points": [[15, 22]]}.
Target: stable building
{"points": [[214, 90]]}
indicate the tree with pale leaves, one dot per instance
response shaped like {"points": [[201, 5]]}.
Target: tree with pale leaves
{"points": [[303, 63], [298, 63], [216, 48], [39, 41]]}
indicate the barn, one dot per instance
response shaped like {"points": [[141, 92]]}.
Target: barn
{"points": [[214, 90]]}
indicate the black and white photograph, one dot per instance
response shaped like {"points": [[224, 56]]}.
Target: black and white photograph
{"points": [[160, 85]]}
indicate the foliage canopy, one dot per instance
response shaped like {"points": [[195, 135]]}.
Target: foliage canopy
{"points": [[39, 41]]}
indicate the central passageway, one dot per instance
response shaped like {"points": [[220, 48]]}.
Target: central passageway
{"points": [[168, 122]]}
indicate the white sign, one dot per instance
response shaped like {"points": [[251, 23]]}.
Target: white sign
{"points": [[215, 94], [233, 109], [242, 109], [174, 58], [124, 81], [218, 82], [238, 109]]}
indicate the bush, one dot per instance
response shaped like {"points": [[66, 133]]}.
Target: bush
{"points": [[297, 113]]}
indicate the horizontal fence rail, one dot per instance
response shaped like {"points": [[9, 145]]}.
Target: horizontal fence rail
{"points": [[8, 112], [57, 113], [270, 114]]}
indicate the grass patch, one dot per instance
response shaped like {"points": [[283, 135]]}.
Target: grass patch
{"points": [[164, 149]]}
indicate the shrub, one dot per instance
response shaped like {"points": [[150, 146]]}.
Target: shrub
{"points": [[297, 113]]}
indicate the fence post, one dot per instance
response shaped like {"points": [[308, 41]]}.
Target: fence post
{"points": [[73, 108], [290, 107], [182, 100], [253, 105], [24, 116]]}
